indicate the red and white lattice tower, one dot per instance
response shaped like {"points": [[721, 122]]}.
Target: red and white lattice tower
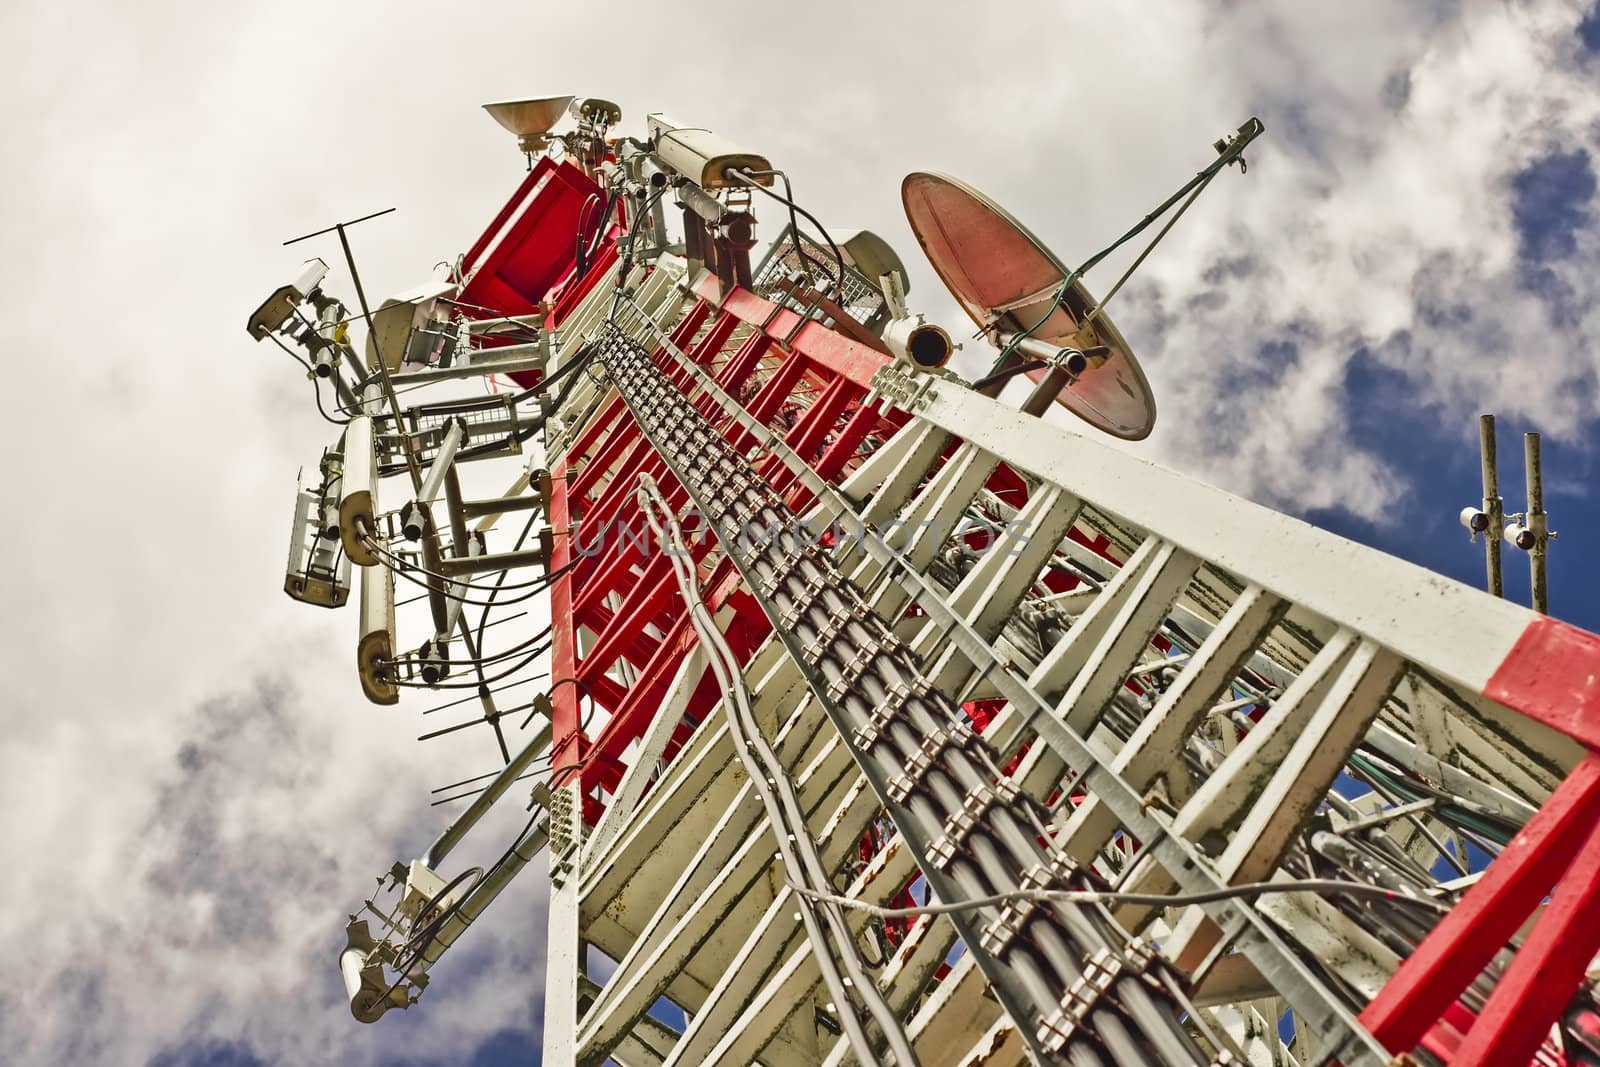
{"points": [[886, 721]]}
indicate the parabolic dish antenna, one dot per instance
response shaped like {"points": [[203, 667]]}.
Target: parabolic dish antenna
{"points": [[531, 120], [1006, 279]]}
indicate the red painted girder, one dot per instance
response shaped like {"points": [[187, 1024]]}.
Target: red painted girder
{"points": [[811, 428], [745, 634], [639, 456], [732, 375], [565, 738], [1444, 1039], [1552, 675], [1547, 970], [827, 347], [657, 587], [601, 423], [835, 457], [622, 552], [624, 434], [708, 348], [737, 370], [1489, 914], [643, 701], [649, 594], [623, 450], [626, 625], [566, 296], [616, 503], [605, 691], [765, 404], [637, 647], [615, 408], [631, 707]]}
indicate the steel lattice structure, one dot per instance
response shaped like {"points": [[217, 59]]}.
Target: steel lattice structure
{"points": [[887, 721]]}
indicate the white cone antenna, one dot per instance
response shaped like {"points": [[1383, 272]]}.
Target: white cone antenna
{"points": [[531, 120]]}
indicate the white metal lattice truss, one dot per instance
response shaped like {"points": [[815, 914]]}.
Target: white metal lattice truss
{"points": [[892, 723]]}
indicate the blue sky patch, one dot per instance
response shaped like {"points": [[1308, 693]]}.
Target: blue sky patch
{"points": [[1550, 199], [1440, 448], [1589, 29], [1561, 301], [506, 1047]]}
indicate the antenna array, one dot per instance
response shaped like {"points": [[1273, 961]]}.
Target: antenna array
{"points": [[871, 716]]}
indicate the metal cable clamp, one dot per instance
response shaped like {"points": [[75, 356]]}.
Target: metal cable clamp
{"points": [[934, 746], [959, 826], [1057, 1028], [1003, 930]]}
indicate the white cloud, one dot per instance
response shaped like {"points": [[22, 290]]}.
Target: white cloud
{"points": [[1358, 226]]}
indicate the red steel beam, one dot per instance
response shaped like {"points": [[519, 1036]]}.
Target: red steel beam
{"points": [[1490, 914], [566, 742], [833, 350], [1536, 989]]}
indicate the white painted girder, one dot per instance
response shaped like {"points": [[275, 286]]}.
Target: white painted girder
{"points": [[1086, 669], [988, 596], [797, 978], [1321, 743], [563, 965], [671, 938], [957, 1009], [1253, 1036], [693, 796], [1396, 604], [649, 1043], [656, 738], [708, 901], [1155, 751], [925, 947]]}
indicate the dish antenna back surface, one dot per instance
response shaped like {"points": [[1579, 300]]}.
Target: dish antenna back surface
{"points": [[531, 119], [1006, 279]]}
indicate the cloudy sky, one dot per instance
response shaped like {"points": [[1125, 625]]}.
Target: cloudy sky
{"points": [[196, 793]]}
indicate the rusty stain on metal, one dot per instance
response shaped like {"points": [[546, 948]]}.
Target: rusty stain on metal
{"points": [[999, 1038]]}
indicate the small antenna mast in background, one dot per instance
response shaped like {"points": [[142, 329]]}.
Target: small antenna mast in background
{"points": [[1528, 530], [1537, 523], [1493, 507]]}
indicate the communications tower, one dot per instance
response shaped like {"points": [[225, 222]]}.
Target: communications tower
{"points": [[869, 717]]}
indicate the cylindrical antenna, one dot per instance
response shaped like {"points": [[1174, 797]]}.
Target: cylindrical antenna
{"points": [[453, 833], [1537, 521], [1492, 505], [433, 481]]}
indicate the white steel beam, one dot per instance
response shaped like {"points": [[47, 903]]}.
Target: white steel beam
{"points": [[1321, 743], [957, 1007], [1072, 653], [563, 958], [1395, 603], [1154, 753], [671, 937], [655, 741], [691, 799]]}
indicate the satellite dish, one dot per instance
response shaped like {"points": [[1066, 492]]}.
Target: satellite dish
{"points": [[1005, 278], [530, 120]]}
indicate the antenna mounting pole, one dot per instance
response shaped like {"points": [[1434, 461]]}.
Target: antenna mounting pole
{"points": [[366, 314], [1492, 505], [1538, 523]]}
